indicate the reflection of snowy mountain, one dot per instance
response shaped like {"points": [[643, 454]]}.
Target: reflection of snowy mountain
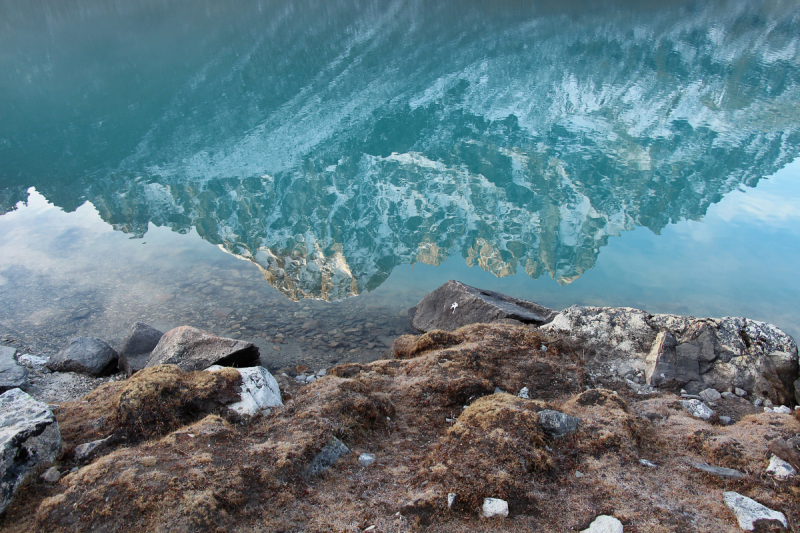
{"points": [[521, 140]]}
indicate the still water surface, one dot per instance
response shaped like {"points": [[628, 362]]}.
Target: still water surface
{"points": [[301, 173]]}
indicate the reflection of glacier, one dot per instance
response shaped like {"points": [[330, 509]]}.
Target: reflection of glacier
{"points": [[519, 142]]}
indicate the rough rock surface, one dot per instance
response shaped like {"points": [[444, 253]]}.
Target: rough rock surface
{"points": [[698, 409], [330, 453], [137, 347], [87, 355], [749, 511], [454, 305], [557, 424], [494, 508], [194, 349], [259, 390], [604, 524], [12, 375], [29, 439], [694, 353]]}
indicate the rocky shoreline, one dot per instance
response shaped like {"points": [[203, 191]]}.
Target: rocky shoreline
{"points": [[501, 415]]}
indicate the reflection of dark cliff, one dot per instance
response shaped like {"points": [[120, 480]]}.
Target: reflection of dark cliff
{"points": [[330, 148]]}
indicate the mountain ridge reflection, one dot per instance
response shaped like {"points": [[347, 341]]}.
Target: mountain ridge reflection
{"points": [[525, 150]]}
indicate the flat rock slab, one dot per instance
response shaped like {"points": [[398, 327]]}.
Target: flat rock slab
{"points": [[330, 453], [137, 347], [455, 304], [749, 511], [718, 470], [86, 355], [194, 349], [29, 437], [12, 375]]}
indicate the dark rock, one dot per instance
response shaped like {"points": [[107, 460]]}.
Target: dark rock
{"points": [[194, 349], [718, 470], [454, 305], [87, 355], [29, 438], [557, 424], [86, 450], [137, 347], [12, 375], [330, 453]]}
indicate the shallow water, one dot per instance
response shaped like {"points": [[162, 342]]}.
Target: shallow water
{"points": [[263, 169]]}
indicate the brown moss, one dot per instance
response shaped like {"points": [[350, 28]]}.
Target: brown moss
{"points": [[408, 346]]}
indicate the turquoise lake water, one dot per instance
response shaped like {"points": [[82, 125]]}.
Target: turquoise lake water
{"points": [[249, 167]]}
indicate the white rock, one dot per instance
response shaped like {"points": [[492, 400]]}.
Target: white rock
{"points": [[710, 395], [648, 464], [747, 511], [32, 361], [451, 499], [493, 507], [29, 437], [604, 524], [697, 409], [259, 390], [780, 468], [524, 392], [782, 410], [757, 402], [768, 403], [740, 392], [323, 372], [366, 459], [768, 409], [311, 379]]}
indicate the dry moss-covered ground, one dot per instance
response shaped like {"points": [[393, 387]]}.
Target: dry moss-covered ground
{"points": [[431, 416]]}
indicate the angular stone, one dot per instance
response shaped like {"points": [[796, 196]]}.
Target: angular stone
{"points": [[194, 349], [32, 361], [137, 347], [86, 355], [83, 451], [710, 395], [455, 304], [718, 470], [494, 508], [697, 409], [259, 390], [604, 524], [12, 375], [51, 475], [788, 450], [557, 424], [662, 365], [780, 468], [330, 453], [29, 437], [748, 511]]}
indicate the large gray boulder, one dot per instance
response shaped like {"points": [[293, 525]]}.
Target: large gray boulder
{"points": [[137, 347], [454, 305], [693, 353], [29, 440], [86, 355], [12, 375], [194, 349]]}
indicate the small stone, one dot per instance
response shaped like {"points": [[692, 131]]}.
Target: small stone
{"points": [[579, 474], [710, 395], [451, 499], [645, 462], [330, 453], [697, 409], [87, 355], [149, 461], [780, 468], [604, 524], [757, 402], [311, 379], [51, 475], [768, 409], [495, 507], [718, 470], [300, 378], [725, 420], [741, 393], [557, 424], [768, 403], [748, 511], [366, 459], [323, 372], [524, 392], [85, 450], [728, 395], [782, 410], [32, 361]]}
